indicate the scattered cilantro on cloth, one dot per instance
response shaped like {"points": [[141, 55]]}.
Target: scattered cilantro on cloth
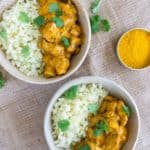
{"points": [[95, 5], [2, 81]]}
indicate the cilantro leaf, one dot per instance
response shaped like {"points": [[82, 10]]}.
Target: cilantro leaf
{"points": [[63, 125], [85, 147], [106, 25], [93, 108], [58, 13], [39, 21], [95, 23], [58, 21], [25, 51], [2, 81], [65, 41], [126, 110], [53, 7], [95, 6], [101, 127], [71, 93], [3, 33], [98, 132], [23, 17]]}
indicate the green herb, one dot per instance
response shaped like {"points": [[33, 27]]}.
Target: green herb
{"points": [[23, 17], [2, 81], [25, 51], [58, 13], [85, 147], [39, 21], [95, 5], [53, 7], [58, 21], [3, 33], [95, 23], [93, 108], [65, 41], [126, 110], [63, 125], [106, 25], [101, 127], [71, 93]]}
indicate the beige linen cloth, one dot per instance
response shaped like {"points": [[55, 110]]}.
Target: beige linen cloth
{"points": [[22, 105]]}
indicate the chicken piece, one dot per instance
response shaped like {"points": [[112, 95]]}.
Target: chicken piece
{"points": [[45, 46], [94, 146], [49, 71], [68, 10], [50, 32], [76, 30], [61, 64], [75, 43], [121, 113]]}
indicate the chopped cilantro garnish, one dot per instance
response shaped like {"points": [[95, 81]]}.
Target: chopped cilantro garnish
{"points": [[39, 21], [63, 125], [71, 93], [58, 21], [93, 108], [106, 25], [3, 33], [65, 41], [101, 127], [53, 7], [25, 51], [23, 17], [58, 13], [126, 110], [85, 147], [95, 5], [95, 23], [2, 80]]}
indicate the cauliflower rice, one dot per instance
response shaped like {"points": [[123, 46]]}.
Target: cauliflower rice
{"points": [[76, 111], [19, 35]]}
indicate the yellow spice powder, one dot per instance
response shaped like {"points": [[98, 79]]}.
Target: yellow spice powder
{"points": [[134, 49]]}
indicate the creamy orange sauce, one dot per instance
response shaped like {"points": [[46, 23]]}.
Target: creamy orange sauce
{"points": [[56, 56], [115, 135]]}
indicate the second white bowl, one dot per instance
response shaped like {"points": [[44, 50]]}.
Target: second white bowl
{"points": [[114, 89]]}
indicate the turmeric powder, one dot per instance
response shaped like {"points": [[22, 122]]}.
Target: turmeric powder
{"points": [[134, 49]]}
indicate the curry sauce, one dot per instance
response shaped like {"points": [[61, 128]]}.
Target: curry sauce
{"points": [[61, 35], [107, 130]]}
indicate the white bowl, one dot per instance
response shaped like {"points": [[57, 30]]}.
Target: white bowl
{"points": [[76, 61], [114, 89]]}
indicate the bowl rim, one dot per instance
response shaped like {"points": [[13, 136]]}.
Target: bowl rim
{"points": [[119, 41], [82, 80], [12, 70]]}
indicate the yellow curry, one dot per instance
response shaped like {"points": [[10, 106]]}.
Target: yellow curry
{"points": [[61, 35], [107, 130]]}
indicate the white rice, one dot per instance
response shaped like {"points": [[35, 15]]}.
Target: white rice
{"points": [[21, 34], [76, 111]]}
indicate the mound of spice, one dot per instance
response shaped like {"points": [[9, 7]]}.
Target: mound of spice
{"points": [[134, 49]]}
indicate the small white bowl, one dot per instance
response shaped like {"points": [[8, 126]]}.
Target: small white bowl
{"points": [[76, 61], [114, 89], [118, 55]]}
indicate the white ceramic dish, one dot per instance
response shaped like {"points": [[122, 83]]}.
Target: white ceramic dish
{"points": [[76, 61], [144, 29], [114, 89]]}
